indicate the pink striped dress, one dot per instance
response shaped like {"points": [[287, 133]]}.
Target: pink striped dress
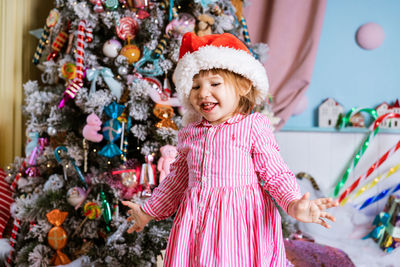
{"points": [[225, 218]]}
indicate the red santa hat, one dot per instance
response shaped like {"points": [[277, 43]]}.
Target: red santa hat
{"points": [[216, 51]]}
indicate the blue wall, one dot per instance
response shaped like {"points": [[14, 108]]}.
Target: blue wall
{"points": [[353, 76]]}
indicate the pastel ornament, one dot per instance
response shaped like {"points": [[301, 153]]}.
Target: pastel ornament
{"points": [[370, 36], [76, 196], [90, 130], [111, 48], [168, 156], [54, 183]]}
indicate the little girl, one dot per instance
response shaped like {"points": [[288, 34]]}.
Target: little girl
{"points": [[225, 218]]}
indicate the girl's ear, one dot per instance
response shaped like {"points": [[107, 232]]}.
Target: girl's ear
{"points": [[245, 91]]}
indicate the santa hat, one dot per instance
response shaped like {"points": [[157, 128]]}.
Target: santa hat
{"points": [[216, 51]]}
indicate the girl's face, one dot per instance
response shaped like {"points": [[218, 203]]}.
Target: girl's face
{"points": [[213, 98]]}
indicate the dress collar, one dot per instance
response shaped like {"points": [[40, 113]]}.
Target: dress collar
{"points": [[236, 118]]}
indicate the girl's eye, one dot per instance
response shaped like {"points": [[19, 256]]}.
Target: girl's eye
{"points": [[215, 84], [195, 87]]}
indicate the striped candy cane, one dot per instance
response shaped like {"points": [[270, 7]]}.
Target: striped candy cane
{"points": [[89, 34], [374, 166], [345, 121], [41, 45], [80, 50], [13, 240], [246, 35]]}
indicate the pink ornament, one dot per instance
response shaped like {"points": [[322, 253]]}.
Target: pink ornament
{"points": [[370, 36], [90, 130], [168, 156], [177, 27]]}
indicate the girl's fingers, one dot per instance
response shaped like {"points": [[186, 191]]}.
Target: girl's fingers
{"points": [[327, 216], [323, 223], [129, 204]]}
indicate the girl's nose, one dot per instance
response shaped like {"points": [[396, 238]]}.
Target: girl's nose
{"points": [[204, 91]]}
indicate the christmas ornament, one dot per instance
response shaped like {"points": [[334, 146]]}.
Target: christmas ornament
{"points": [[165, 113], [91, 211], [131, 52], [70, 92], [386, 192], [57, 45], [51, 21], [53, 183], [122, 70], [108, 77], [111, 48], [204, 25], [106, 210], [181, 25], [161, 94], [90, 130], [168, 156], [98, 7], [148, 175], [51, 131], [80, 50], [68, 71], [126, 125], [76, 196], [127, 28], [89, 34], [112, 130], [13, 240], [111, 4], [152, 58], [57, 237], [57, 153]]}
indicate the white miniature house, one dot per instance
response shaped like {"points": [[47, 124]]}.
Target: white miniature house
{"points": [[328, 113], [385, 108]]}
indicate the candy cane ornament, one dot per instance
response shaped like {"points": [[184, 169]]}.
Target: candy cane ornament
{"points": [[373, 167], [80, 49]]}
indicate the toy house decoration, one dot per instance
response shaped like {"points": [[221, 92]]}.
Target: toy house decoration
{"points": [[385, 108], [328, 113]]}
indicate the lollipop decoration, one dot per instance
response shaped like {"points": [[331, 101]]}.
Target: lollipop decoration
{"points": [[51, 21], [57, 153], [127, 28], [112, 130], [91, 211], [57, 237]]}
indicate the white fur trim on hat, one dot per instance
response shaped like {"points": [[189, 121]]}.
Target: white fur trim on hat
{"points": [[212, 57]]}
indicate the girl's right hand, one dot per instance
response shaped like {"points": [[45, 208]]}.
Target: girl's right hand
{"points": [[140, 218]]}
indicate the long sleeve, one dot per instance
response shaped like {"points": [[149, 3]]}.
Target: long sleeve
{"points": [[280, 182], [167, 196]]}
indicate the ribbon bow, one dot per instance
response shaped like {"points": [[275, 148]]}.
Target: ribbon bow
{"points": [[108, 76]]}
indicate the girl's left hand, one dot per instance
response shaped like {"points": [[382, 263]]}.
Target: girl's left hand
{"points": [[306, 210]]}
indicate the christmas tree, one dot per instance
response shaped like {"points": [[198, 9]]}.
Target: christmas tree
{"points": [[96, 122]]}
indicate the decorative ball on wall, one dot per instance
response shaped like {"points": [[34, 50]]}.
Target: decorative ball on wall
{"points": [[370, 36]]}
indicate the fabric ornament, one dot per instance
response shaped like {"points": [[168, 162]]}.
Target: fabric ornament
{"points": [[108, 76], [112, 130], [90, 130], [165, 113], [221, 51]]}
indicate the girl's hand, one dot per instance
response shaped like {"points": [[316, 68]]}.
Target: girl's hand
{"points": [[306, 210], [140, 218]]}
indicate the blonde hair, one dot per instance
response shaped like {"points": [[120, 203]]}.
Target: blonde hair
{"points": [[243, 86]]}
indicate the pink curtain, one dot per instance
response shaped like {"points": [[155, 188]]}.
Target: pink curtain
{"points": [[292, 29]]}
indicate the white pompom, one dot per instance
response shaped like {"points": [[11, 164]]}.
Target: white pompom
{"points": [[5, 249]]}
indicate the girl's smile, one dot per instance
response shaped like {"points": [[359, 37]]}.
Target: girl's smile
{"points": [[213, 98]]}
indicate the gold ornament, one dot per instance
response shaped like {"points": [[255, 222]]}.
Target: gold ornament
{"points": [[165, 113]]}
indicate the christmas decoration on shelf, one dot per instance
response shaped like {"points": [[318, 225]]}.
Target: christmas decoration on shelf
{"points": [[104, 113], [385, 108], [328, 113]]}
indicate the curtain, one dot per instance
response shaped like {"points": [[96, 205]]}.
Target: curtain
{"points": [[16, 51], [292, 30]]}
